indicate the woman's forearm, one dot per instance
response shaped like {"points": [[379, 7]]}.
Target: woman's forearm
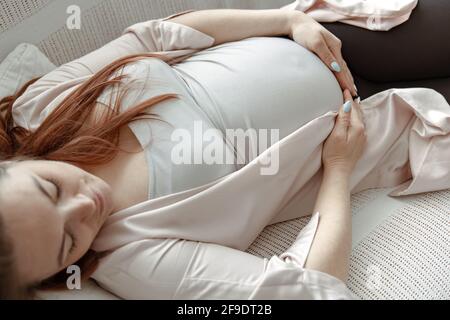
{"points": [[330, 251], [226, 25]]}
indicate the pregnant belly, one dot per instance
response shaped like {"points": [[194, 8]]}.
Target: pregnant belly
{"points": [[261, 83]]}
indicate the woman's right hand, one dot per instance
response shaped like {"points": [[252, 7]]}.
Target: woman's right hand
{"points": [[343, 148]]}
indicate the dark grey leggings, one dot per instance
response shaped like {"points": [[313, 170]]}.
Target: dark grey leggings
{"points": [[414, 54]]}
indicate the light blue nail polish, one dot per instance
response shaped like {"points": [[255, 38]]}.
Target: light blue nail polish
{"points": [[347, 106], [335, 66]]}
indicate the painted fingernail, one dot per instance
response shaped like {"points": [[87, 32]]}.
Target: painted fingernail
{"points": [[335, 66], [347, 107]]}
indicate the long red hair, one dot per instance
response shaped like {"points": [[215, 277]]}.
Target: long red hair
{"points": [[63, 136]]}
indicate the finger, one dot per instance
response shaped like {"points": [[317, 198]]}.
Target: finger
{"points": [[335, 46], [347, 95], [343, 121], [320, 48], [351, 76], [357, 127], [342, 77], [346, 71], [357, 109], [356, 133], [351, 80]]}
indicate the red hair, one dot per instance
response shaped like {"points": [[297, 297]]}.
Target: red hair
{"points": [[63, 136]]}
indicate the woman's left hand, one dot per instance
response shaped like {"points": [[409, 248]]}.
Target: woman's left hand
{"points": [[314, 37]]}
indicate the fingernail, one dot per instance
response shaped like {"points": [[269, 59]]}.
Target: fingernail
{"points": [[335, 66], [356, 89], [347, 107]]}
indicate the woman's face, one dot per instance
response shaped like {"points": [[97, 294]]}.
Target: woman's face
{"points": [[51, 225]]}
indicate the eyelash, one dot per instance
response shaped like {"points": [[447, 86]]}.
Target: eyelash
{"points": [[58, 193], [58, 187], [73, 246]]}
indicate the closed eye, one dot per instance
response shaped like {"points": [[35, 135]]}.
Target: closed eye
{"points": [[63, 257], [63, 252], [57, 187], [73, 245]]}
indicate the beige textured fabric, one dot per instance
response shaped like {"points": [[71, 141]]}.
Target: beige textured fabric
{"points": [[101, 21], [408, 255], [405, 257], [14, 12]]}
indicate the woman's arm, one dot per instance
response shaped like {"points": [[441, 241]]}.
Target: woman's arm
{"points": [[226, 25], [330, 250], [183, 269]]}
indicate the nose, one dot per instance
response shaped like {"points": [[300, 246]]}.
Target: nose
{"points": [[81, 209], [82, 205]]}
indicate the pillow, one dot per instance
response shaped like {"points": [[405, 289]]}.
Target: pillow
{"points": [[24, 63]]}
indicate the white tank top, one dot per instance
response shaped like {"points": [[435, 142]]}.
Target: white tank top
{"points": [[256, 83]]}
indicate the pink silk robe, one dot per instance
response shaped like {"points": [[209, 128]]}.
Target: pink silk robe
{"points": [[377, 15]]}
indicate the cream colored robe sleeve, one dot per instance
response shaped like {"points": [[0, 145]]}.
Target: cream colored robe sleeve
{"points": [[182, 269]]}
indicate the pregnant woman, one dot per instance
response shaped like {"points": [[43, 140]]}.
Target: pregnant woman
{"points": [[83, 163]]}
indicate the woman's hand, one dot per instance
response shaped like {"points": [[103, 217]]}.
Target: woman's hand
{"points": [[331, 248], [343, 148], [313, 36]]}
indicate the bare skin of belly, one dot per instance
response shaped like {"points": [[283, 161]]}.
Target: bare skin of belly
{"points": [[127, 173]]}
